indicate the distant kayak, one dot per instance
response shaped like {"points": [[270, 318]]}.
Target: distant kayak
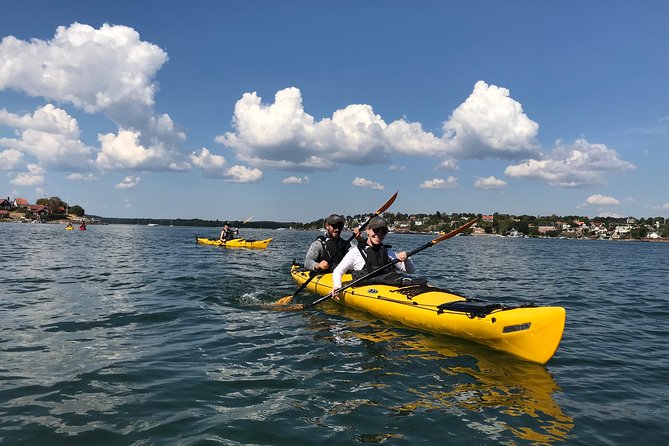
{"points": [[529, 332], [69, 228], [235, 243]]}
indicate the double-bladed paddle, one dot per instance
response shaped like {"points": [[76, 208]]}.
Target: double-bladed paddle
{"points": [[286, 300], [441, 238]]}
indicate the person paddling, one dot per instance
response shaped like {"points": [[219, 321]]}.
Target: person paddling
{"points": [[228, 233], [328, 250], [370, 256]]}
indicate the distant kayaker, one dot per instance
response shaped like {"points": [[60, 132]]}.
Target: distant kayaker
{"points": [[82, 226], [228, 233], [372, 255], [327, 250]]}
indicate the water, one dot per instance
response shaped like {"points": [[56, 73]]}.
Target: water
{"points": [[136, 335]]}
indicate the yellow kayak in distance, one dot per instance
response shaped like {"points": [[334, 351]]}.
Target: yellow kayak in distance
{"points": [[530, 332], [235, 243]]}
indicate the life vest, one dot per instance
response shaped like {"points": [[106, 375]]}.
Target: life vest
{"points": [[334, 250], [377, 258], [229, 234], [374, 259]]}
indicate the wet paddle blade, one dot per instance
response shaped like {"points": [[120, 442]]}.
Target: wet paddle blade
{"points": [[387, 204], [284, 300], [456, 231]]}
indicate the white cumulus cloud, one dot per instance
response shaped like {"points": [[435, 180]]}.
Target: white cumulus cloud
{"points": [[601, 200], [94, 69], [50, 135], [10, 159], [440, 183], [490, 124], [125, 151], [128, 182], [363, 182], [282, 135], [34, 176], [107, 70], [243, 174], [578, 164], [296, 180], [214, 166], [489, 183], [81, 177]]}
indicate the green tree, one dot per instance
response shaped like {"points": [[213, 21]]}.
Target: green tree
{"points": [[77, 210], [639, 232], [56, 205]]}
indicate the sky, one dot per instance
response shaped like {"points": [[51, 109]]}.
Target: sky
{"points": [[293, 110]]}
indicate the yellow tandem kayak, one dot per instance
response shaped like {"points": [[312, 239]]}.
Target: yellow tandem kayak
{"points": [[235, 243], [529, 332]]}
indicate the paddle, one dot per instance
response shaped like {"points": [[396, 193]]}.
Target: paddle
{"points": [[441, 238], [246, 221], [286, 300]]}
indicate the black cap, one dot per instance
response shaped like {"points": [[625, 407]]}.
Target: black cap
{"points": [[377, 222], [227, 223], [335, 219]]}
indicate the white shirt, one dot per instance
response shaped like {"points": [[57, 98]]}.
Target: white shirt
{"points": [[354, 261]]}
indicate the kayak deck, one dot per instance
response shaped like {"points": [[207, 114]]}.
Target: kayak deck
{"points": [[530, 332], [235, 243]]}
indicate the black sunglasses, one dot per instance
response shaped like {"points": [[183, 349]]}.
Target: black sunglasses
{"points": [[338, 226]]}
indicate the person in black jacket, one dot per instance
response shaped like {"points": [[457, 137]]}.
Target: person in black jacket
{"points": [[371, 255], [327, 250], [228, 233]]}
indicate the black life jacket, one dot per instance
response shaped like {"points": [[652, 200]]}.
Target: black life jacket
{"points": [[334, 250], [375, 258]]}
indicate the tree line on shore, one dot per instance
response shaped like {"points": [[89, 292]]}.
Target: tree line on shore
{"points": [[502, 224], [497, 223]]}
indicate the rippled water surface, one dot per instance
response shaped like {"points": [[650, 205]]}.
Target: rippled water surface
{"points": [[136, 335]]}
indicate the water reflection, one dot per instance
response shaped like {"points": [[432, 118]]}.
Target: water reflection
{"points": [[515, 388], [488, 391]]}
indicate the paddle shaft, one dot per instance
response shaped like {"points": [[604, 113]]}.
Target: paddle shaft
{"points": [[246, 221], [396, 261]]}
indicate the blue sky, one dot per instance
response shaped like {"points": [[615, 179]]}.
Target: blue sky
{"points": [[290, 111]]}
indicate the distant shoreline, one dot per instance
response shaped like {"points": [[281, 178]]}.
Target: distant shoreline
{"points": [[279, 226]]}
